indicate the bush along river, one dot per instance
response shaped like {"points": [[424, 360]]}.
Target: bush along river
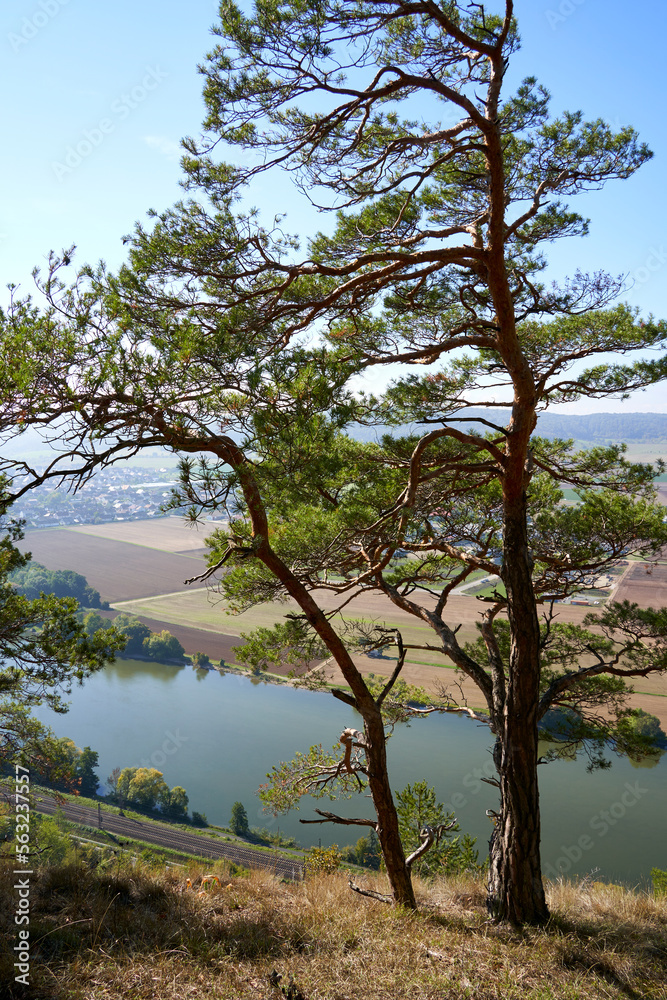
{"points": [[218, 736]]}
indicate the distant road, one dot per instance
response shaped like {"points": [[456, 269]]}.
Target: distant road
{"points": [[176, 840]]}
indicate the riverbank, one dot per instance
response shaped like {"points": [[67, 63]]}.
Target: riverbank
{"points": [[140, 568], [438, 681]]}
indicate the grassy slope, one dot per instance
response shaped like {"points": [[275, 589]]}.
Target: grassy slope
{"points": [[138, 932]]}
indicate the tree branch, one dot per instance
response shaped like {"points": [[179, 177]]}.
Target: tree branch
{"points": [[429, 836], [330, 817]]}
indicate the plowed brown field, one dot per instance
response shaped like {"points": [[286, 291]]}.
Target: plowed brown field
{"points": [[644, 584], [119, 570]]}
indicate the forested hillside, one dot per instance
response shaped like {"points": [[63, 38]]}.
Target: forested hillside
{"points": [[593, 428], [601, 428]]}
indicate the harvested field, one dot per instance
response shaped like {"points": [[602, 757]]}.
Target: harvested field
{"points": [[169, 534], [207, 610], [645, 584], [118, 570]]}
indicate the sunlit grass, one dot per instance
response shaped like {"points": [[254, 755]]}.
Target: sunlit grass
{"points": [[140, 932]]}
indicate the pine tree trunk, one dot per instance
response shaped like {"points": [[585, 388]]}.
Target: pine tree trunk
{"points": [[390, 841], [516, 893]]}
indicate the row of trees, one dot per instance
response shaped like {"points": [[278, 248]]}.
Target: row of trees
{"points": [[34, 579], [146, 787], [222, 338], [140, 640]]}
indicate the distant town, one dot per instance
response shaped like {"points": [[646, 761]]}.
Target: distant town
{"points": [[120, 493]]}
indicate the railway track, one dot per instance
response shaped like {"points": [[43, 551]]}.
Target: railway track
{"points": [[175, 840]]}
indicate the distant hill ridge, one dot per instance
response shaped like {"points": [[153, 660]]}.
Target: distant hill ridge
{"points": [[593, 428], [599, 428]]}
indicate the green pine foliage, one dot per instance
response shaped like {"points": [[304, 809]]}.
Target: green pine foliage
{"points": [[418, 807], [239, 820]]}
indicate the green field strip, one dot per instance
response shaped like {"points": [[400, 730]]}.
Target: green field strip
{"points": [[440, 662], [186, 609]]}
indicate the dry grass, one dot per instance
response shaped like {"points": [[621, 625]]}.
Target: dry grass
{"points": [[136, 932]]}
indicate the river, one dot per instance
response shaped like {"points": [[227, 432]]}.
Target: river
{"points": [[217, 736]]}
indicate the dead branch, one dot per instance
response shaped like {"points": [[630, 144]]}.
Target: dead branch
{"points": [[382, 897], [429, 835], [330, 817]]}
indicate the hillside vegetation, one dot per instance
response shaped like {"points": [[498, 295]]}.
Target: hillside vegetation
{"points": [[35, 579], [140, 932], [597, 428]]}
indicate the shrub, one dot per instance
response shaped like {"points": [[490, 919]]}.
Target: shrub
{"points": [[645, 724], [659, 878], [200, 660], [417, 807], [162, 646], [366, 852], [322, 860]]}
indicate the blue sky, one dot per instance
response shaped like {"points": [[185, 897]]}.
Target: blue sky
{"points": [[120, 81]]}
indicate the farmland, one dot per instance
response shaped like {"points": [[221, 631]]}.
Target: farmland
{"points": [[140, 568], [119, 569], [168, 534], [644, 583]]}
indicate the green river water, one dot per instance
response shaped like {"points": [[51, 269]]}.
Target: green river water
{"points": [[219, 735]]}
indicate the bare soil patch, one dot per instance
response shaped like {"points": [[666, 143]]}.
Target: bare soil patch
{"points": [[645, 584], [120, 571], [170, 534]]}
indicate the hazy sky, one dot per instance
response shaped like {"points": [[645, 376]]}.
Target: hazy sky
{"points": [[118, 82]]}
